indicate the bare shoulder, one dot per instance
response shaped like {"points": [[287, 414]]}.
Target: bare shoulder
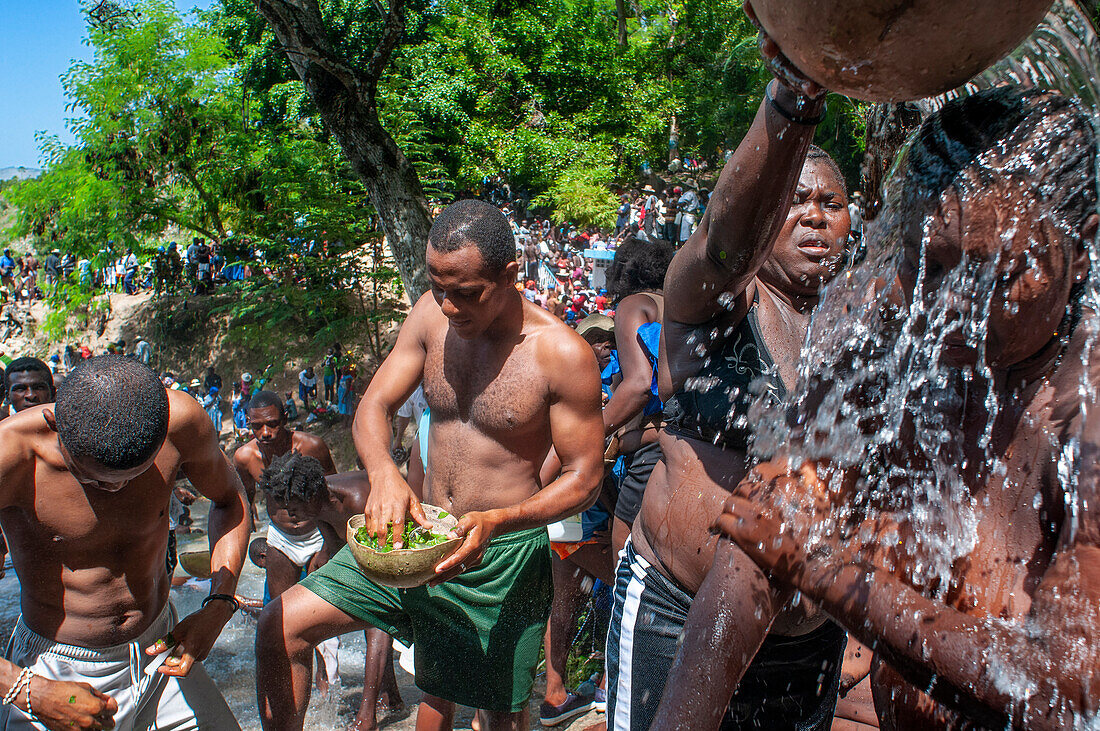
{"points": [[182, 410], [639, 303], [23, 437], [189, 427], [246, 454], [310, 445], [425, 316], [559, 349]]}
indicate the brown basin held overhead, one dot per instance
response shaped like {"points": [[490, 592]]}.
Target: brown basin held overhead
{"points": [[407, 567], [894, 50]]}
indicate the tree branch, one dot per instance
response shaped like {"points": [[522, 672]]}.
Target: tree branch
{"points": [[393, 28], [302, 36]]}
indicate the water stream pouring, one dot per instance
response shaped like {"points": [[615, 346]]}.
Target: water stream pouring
{"points": [[899, 378]]}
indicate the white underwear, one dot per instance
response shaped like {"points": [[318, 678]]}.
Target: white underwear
{"points": [[299, 549]]}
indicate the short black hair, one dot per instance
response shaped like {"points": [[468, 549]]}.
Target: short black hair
{"points": [[816, 154], [294, 476], [112, 409], [1031, 134], [263, 399], [477, 223], [22, 365], [639, 266]]}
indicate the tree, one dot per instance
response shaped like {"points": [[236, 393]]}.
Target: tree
{"points": [[346, 96]]}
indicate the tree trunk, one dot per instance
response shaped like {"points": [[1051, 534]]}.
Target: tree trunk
{"points": [[888, 126], [620, 12], [346, 99], [673, 139]]}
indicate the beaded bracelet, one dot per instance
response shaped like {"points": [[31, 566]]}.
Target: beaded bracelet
{"points": [[790, 116], [22, 681], [30, 709]]}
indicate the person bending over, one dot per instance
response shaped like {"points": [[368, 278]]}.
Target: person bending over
{"points": [[298, 483], [84, 492]]}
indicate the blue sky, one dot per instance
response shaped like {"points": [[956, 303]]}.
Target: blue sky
{"points": [[38, 41]]}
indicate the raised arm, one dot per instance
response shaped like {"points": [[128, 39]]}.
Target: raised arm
{"points": [[746, 209], [576, 432], [208, 469], [391, 498], [712, 271]]}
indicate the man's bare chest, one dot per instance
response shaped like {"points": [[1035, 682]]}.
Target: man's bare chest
{"points": [[68, 516], [490, 390]]}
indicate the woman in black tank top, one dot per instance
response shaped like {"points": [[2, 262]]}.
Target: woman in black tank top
{"points": [[738, 298]]}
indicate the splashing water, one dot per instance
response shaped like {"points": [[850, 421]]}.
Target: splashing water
{"points": [[895, 377]]}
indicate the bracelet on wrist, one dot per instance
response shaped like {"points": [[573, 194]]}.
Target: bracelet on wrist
{"points": [[791, 116], [21, 682], [222, 597], [30, 708]]}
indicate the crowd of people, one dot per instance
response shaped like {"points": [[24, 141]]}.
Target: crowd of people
{"points": [[338, 399], [585, 431]]}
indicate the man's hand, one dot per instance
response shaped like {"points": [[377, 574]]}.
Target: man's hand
{"points": [[190, 640], [391, 499], [321, 558], [478, 529], [63, 706]]}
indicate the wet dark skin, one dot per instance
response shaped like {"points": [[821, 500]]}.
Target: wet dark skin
{"points": [[506, 381], [775, 231], [1032, 564], [29, 388], [273, 439], [89, 543]]}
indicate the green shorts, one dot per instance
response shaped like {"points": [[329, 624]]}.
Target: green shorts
{"points": [[477, 637]]}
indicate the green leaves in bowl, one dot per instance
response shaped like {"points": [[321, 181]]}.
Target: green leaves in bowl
{"points": [[416, 536]]}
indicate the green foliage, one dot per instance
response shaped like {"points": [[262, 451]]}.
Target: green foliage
{"points": [[199, 126], [581, 195], [172, 143], [540, 89], [74, 311]]}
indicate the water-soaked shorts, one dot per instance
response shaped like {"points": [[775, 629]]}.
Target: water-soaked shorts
{"points": [[476, 637], [791, 685]]}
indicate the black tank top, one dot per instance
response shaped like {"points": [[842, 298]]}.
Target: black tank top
{"points": [[714, 405]]}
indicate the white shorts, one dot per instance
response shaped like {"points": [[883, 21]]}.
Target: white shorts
{"points": [[144, 701], [299, 549]]}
